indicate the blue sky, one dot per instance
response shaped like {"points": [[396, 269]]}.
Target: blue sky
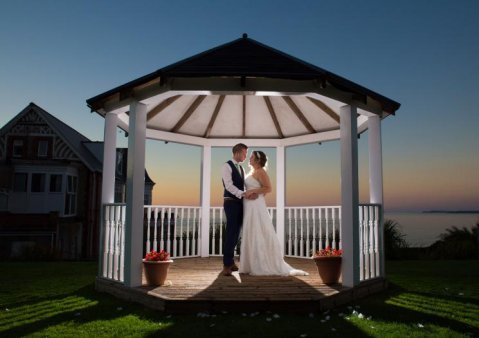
{"points": [[420, 53]]}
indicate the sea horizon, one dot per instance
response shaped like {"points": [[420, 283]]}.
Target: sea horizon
{"points": [[421, 229]]}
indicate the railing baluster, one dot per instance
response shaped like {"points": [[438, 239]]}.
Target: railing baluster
{"points": [[162, 227], [295, 232], [122, 241], [168, 230], [301, 237], [175, 234], [155, 229], [290, 251], [313, 221], [376, 234], [148, 225], [333, 222], [371, 260], [328, 221], [193, 248], [111, 243], [361, 243], [369, 273], [367, 221], [188, 232], [182, 219], [213, 234], [340, 229], [320, 217], [116, 244], [106, 234], [221, 231], [308, 240]]}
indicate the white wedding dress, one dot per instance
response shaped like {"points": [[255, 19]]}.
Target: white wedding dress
{"points": [[260, 250]]}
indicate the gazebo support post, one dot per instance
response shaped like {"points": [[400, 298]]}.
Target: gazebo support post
{"points": [[135, 190], [108, 180], [109, 159], [376, 179], [205, 201], [280, 194], [349, 195]]}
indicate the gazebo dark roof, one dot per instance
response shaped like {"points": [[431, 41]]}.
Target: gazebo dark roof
{"points": [[243, 57], [247, 58]]}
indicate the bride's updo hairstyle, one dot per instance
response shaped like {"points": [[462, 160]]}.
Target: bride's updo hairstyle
{"points": [[260, 157]]}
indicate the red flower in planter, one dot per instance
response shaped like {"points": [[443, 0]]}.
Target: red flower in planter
{"points": [[328, 252], [155, 256]]}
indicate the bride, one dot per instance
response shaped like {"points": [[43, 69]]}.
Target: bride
{"points": [[260, 249]]}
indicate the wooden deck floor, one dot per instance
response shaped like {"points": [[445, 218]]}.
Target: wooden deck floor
{"points": [[196, 284]]}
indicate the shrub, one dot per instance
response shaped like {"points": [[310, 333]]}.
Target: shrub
{"points": [[394, 241], [456, 243]]}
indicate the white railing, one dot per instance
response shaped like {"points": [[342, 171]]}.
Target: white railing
{"points": [[308, 229], [112, 242], [370, 238], [176, 229]]}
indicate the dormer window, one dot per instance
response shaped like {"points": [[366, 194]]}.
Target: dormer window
{"points": [[42, 148], [17, 148], [38, 182]]}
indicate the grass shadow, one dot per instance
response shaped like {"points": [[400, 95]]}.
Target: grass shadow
{"points": [[415, 308]]}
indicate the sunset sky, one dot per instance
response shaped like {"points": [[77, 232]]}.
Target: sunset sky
{"points": [[423, 54]]}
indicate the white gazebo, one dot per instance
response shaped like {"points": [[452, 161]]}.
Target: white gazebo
{"points": [[242, 91]]}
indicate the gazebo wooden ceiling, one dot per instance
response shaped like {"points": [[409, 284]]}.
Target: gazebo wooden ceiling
{"points": [[243, 89]]}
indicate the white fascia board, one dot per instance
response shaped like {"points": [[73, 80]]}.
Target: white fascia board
{"points": [[229, 142], [166, 136], [250, 142], [312, 138], [225, 86], [138, 95]]}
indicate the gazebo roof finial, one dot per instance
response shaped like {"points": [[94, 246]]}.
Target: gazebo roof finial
{"points": [[245, 35]]}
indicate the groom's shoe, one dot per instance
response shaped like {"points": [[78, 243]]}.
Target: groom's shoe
{"points": [[226, 271], [234, 267]]}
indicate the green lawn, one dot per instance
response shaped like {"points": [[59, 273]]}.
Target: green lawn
{"points": [[57, 299]]}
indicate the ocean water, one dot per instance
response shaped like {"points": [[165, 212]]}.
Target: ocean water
{"points": [[423, 229]]}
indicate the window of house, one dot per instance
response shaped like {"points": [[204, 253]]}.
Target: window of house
{"points": [[3, 201], [42, 148], [17, 148], [38, 182], [20, 182], [56, 183], [71, 195]]}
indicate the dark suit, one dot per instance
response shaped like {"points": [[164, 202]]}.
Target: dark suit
{"points": [[233, 207]]}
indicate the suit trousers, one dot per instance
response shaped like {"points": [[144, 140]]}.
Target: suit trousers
{"points": [[234, 221]]}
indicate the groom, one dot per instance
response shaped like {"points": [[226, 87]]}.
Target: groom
{"points": [[234, 191]]}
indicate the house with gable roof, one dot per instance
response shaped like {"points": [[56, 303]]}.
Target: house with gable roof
{"points": [[50, 187]]}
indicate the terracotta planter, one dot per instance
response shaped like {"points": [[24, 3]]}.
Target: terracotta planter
{"points": [[156, 271], [329, 268]]}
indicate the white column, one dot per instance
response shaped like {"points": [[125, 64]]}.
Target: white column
{"points": [[135, 190], [205, 201], [280, 194], [349, 196], [109, 159], [376, 180], [375, 160]]}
